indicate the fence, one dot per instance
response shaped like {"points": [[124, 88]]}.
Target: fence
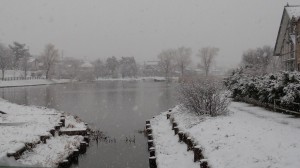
{"points": [[20, 78], [295, 109], [276, 107]]}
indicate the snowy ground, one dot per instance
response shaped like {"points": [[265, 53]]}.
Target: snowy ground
{"points": [[34, 82], [169, 152], [249, 137], [25, 124], [48, 155]]}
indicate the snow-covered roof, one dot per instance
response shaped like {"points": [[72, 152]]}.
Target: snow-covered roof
{"points": [[293, 11], [31, 59], [288, 13], [86, 64]]}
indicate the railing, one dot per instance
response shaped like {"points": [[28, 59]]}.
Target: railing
{"points": [[277, 107], [20, 78]]}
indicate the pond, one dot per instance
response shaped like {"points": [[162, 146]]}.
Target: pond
{"points": [[118, 108]]}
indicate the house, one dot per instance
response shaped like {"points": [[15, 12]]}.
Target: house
{"points": [[288, 39], [151, 68]]}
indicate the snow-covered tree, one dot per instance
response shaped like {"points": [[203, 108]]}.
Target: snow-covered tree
{"points": [[19, 51], [112, 65], [5, 59], [128, 67], [99, 68]]}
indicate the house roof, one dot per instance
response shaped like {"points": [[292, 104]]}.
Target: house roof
{"points": [[288, 13], [293, 11], [86, 64]]}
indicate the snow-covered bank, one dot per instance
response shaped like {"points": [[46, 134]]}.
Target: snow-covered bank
{"points": [[47, 155], [25, 124], [154, 78], [33, 82], [248, 137], [169, 152]]}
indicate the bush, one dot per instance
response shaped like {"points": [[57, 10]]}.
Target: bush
{"points": [[283, 86], [203, 96]]}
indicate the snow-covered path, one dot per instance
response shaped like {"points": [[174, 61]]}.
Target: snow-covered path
{"points": [[249, 137], [169, 152]]}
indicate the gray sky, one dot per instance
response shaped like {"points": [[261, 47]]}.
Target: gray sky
{"points": [[93, 29]]}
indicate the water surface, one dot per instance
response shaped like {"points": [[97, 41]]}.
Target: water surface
{"points": [[118, 108]]}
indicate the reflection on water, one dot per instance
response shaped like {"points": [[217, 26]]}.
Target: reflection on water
{"points": [[118, 108]]}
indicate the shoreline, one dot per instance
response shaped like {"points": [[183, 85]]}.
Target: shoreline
{"points": [[247, 137], [38, 136], [33, 82]]}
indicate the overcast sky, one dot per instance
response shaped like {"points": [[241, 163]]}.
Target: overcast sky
{"points": [[93, 29]]}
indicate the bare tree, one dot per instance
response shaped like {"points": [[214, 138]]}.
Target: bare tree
{"points": [[5, 59], [166, 61], [207, 56], [183, 58], [275, 65], [257, 60], [49, 57], [24, 62]]}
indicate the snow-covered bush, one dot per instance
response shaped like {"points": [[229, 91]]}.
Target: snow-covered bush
{"points": [[203, 96], [282, 86]]}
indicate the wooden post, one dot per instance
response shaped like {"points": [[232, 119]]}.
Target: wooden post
{"points": [[152, 162], [185, 136], [57, 127], [82, 147], [75, 155], [176, 130], [174, 125], [189, 144], [64, 164], [150, 144], [168, 116], [149, 131], [152, 152], [197, 154], [52, 132], [203, 163], [180, 134], [11, 153], [43, 138], [86, 139], [63, 121], [150, 137]]}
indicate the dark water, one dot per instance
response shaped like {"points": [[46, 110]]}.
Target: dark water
{"points": [[117, 108]]}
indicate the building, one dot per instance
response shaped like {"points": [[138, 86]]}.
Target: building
{"points": [[288, 39], [151, 68]]}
